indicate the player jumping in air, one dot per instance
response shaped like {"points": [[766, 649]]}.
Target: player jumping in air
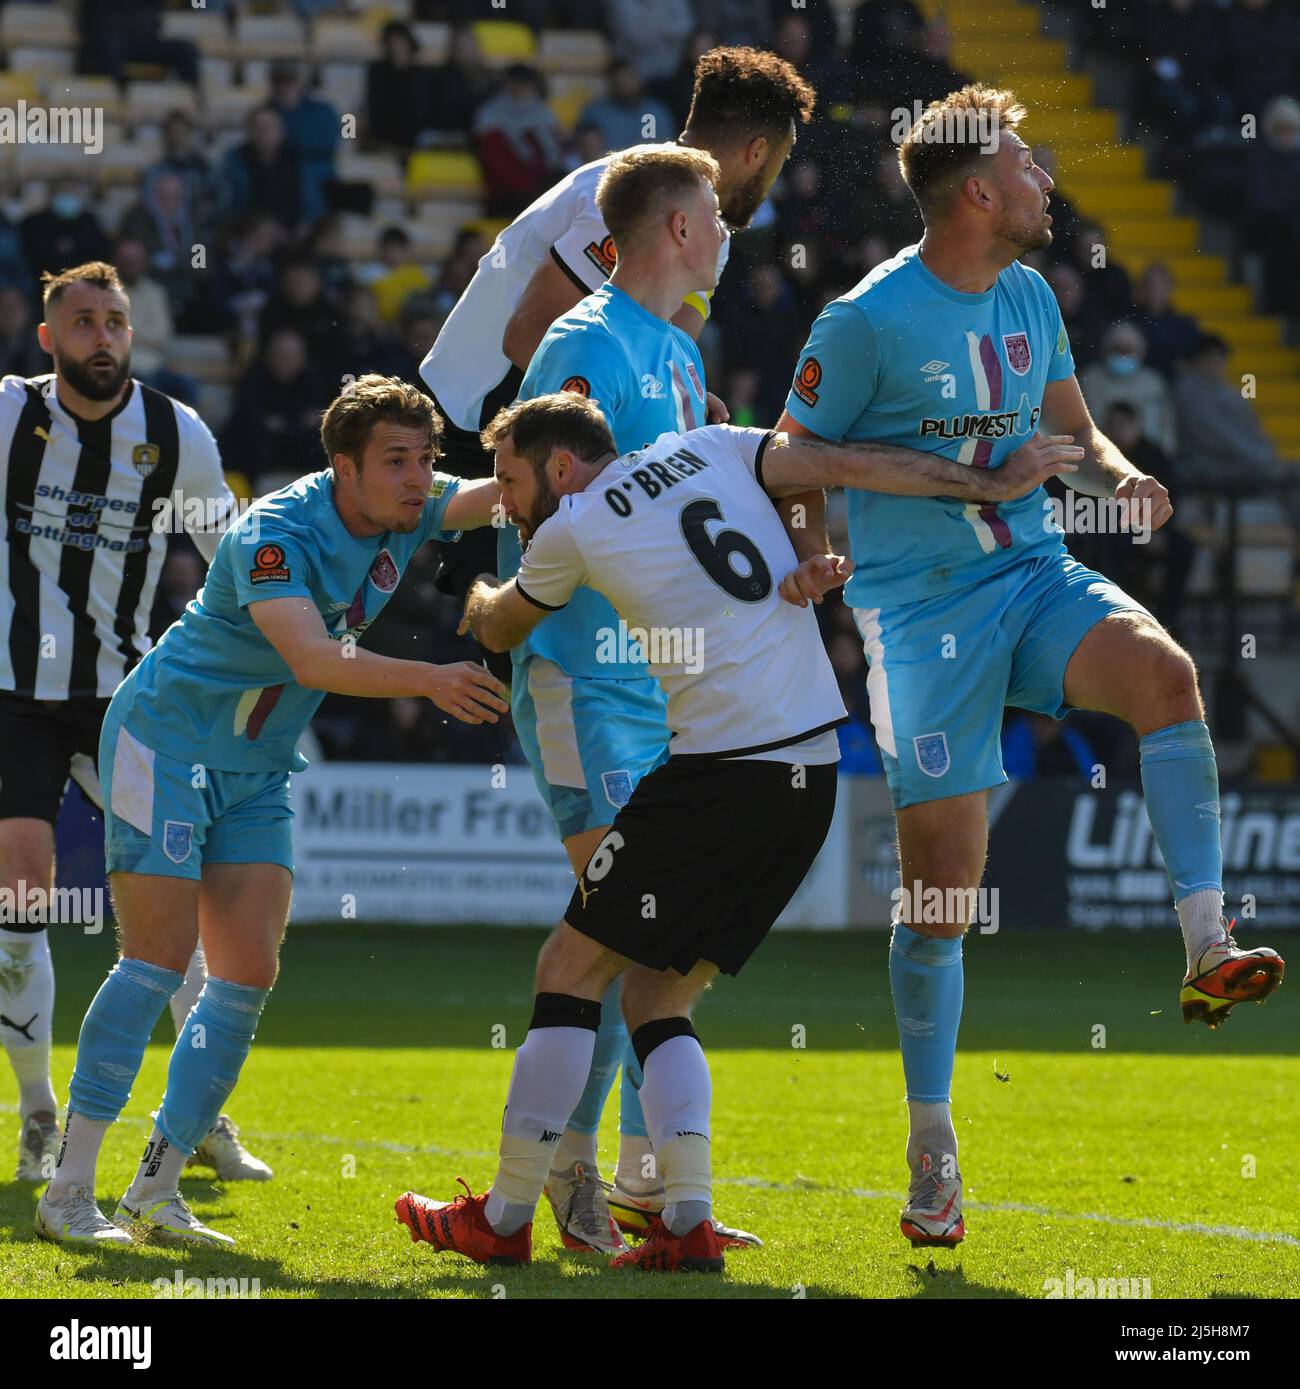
{"points": [[590, 728], [683, 540], [953, 346], [196, 752], [89, 456]]}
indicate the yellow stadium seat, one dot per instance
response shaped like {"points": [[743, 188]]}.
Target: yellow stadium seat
{"points": [[430, 172], [502, 41]]}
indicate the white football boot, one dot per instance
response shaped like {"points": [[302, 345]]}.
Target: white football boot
{"points": [[636, 1214], [577, 1199], [1225, 975], [226, 1155], [38, 1148], [77, 1220], [167, 1220], [932, 1215]]}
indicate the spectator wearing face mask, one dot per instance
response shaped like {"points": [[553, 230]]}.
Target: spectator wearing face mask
{"points": [[63, 234], [1122, 375]]}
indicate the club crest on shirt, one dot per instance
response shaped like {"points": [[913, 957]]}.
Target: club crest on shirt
{"points": [[268, 566], [178, 840], [383, 572], [695, 379], [932, 753], [1017, 346], [618, 787], [145, 457]]}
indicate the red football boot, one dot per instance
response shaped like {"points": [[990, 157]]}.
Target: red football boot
{"points": [[462, 1227], [697, 1251]]}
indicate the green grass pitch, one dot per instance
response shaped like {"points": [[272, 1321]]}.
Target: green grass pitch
{"points": [[374, 1071]]}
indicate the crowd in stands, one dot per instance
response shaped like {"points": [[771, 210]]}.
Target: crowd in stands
{"points": [[299, 314]]}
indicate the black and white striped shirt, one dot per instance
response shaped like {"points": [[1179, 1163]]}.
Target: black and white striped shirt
{"points": [[79, 552]]}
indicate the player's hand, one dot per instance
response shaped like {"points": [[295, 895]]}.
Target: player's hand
{"points": [[468, 692], [715, 409], [1148, 502], [1043, 456], [814, 579]]}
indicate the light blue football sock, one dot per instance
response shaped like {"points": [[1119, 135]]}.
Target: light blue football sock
{"points": [[1180, 781], [206, 1060], [631, 1119], [114, 1034], [926, 981], [611, 1040]]}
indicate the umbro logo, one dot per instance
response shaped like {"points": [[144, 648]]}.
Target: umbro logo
{"points": [[934, 366]]}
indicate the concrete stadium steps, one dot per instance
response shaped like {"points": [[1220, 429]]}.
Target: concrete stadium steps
{"points": [[1002, 41]]}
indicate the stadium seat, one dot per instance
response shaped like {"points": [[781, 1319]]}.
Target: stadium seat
{"points": [[503, 42], [270, 36], [85, 91], [337, 36], [382, 171], [566, 110], [229, 107], [575, 50], [434, 40], [438, 223], [152, 102], [18, 86], [430, 173], [47, 25], [56, 160], [43, 60], [343, 85], [204, 28]]}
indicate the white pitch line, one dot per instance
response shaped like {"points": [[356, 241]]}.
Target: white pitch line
{"points": [[1020, 1208], [1004, 1207]]}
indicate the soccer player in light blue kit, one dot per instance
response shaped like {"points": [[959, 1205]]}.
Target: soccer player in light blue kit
{"points": [[590, 717], [956, 348], [196, 752]]}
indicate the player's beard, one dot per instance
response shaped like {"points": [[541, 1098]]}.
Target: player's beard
{"points": [[1025, 237], [743, 202], [545, 505], [92, 387]]}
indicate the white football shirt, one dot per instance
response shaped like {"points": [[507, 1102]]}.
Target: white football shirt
{"points": [[466, 362], [686, 544]]}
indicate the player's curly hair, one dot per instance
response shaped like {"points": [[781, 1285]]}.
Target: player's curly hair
{"points": [[741, 93], [561, 420], [370, 400], [94, 272], [945, 144], [636, 182]]}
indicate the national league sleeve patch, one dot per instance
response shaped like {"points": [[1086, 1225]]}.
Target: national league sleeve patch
{"points": [[603, 256], [268, 566], [807, 381], [578, 385]]}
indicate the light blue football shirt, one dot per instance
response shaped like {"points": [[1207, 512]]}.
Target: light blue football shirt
{"points": [[903, 359], [647, 376], [214, 690]]}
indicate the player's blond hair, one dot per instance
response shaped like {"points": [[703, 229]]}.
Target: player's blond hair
{"points": [[638, 184], [370, 400], [938, 151]]}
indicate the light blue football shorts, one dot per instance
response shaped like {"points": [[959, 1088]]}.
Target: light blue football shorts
{"points": [[157, 821], [588, 741], [942, 670]]}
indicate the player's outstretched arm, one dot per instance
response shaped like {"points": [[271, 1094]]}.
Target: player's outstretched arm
{"points": [[793, 465], [498, 614], [474, 504], [294, 627], [1104, 471]]}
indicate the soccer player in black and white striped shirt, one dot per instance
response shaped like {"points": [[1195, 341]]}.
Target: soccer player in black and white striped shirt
{"points": [[89, 457]]}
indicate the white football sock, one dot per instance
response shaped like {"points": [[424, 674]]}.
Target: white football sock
{"points": [[160, 1170], [546, 1084], [637, 1171], [26, 1015], [576, 1147], [82, 1138], [930, 1131], [1200, 915], [184, 999], [676, 1095]]}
